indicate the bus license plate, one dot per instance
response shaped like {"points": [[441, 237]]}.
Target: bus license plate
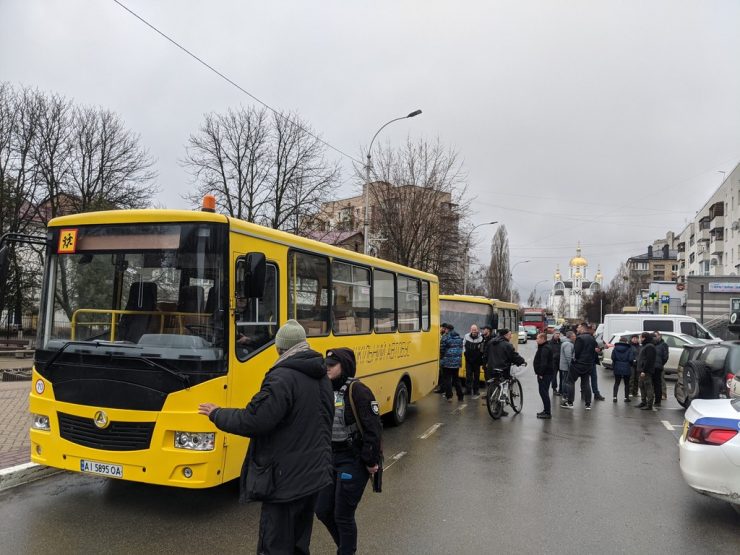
{"points": [[105, 469]]}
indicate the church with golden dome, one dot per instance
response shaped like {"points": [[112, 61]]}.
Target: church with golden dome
{"points": [[569, 292]]}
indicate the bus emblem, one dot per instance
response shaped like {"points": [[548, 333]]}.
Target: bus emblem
{"points": [[101, 420]]}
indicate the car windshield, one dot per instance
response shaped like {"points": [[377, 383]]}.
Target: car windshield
{"points": [[153, 291]]}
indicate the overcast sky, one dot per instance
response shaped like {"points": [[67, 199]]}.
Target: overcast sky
{"points": [[601, 121]]}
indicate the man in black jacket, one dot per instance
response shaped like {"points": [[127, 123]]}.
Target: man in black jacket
{"points": [[473, 359], [501, 355], [544, 368], [646, 363], [289, 460], [662, 353], [584, 351], [487, 335], [555, 348], [355, 446]]}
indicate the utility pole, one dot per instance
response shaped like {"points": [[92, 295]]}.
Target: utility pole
{"points": [[701, 304]]}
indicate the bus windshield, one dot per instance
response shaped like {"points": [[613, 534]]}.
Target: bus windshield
{"points": [[155, 292]]}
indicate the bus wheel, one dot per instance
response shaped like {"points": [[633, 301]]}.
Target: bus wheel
{"points": [[400, 404]]}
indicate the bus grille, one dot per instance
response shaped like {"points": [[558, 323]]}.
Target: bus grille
{"points": [[119, 436]]}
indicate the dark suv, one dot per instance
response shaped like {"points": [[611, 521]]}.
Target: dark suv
{"points": [[706, 371]]}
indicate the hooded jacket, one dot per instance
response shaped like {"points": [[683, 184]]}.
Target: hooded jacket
{"points": [[584, 353], [450, 350], [646, 358], [289, 422], [566, 354], [542, 363], [368, 411], [662, 354], [555, 348], [501, 354], [473, 355], [622, 359]]}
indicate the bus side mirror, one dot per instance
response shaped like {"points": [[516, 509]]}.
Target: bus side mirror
{"points": [[4, 263], [253, 285]]}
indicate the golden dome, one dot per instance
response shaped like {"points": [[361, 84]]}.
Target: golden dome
{"points": [[578, 260], [558, 277], [577, 274], [599, 276]]}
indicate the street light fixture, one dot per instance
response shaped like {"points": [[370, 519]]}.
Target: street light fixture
{"points": [[537, 285], [366, 225], [511, 275], [467, 258]]}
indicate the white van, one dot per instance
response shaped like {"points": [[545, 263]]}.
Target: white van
{"points": [[615, 323]]}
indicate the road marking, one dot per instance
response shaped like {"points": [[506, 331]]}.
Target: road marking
{"points": [[431, 430], [669, 426], [460, 408], [395, 458]]}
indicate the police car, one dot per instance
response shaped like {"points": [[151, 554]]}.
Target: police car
{"points": [[709, 448]]}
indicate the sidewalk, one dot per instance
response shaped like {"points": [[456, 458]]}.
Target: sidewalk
{"points": [[15, 421]]}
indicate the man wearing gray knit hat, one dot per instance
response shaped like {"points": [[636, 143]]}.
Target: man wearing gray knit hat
{"points": [[289, 423]]}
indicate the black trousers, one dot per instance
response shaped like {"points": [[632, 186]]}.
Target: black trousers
{"points": [[658, 385], [472, 376], [585, 386], [544, 384], [338, 502], [451, 379], [286, 527], [626, 381]]}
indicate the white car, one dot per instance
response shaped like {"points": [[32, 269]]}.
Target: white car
{"points": [[709, 448], [522, 335], [675, 342]]}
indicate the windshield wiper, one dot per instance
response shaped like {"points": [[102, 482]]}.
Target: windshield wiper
{"points": [[182, 377]]}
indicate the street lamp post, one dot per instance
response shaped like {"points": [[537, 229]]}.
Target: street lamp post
{"points": [[537, 285], [511, 275], [466, 259], [366, 225]]}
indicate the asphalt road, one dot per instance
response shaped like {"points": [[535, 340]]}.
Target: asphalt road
{"points": [[604, 481]]}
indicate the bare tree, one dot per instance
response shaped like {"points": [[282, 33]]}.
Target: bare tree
{"points": [[499, 272], [230, 156], [418, 202]]}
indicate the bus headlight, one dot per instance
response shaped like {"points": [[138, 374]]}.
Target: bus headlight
{"points": [[195, 441], [40, 422]]}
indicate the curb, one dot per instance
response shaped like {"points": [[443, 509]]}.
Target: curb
{"points": [[24, 473]]}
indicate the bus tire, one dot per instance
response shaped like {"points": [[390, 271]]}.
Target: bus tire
{"points": [[400, 404]]}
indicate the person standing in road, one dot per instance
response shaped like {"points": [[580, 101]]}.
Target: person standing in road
{"points": [[566, 356], [646, 365], [356, 449], [622, 367], [555, 344], [289, 459], [501, 355], [450, 359], [544, 368], [662, 354], [635, 376], [473, 358], [581, 367], [594, 371], [487, 334]]}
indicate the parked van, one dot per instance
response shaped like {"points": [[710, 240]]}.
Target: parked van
{"points": [[615, 323]]}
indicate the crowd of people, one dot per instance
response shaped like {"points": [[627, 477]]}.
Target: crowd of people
{"points": [[559, 363]]}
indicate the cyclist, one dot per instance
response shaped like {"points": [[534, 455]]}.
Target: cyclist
{"points": [[501, 355]]}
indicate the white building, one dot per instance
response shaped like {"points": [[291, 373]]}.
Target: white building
{"points": [[568, 294], [710, 244]]}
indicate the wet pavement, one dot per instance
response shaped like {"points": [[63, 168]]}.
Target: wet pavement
{"points": [[604, 481]]}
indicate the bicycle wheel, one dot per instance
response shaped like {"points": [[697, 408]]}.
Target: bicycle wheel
{"points": [[516, 396], [493, 401]]}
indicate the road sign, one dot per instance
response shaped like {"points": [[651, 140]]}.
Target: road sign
{"points": [[665, 299]]}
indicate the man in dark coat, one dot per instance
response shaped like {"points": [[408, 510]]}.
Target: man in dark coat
{"points": [[450, 360], [473, 360], [487, 335], [635, 375], [646, 364], [355, 446], [501, 355], [584, 351], [289, 460], [544, 368], [662, 354]]}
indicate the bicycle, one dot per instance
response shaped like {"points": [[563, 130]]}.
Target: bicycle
{"points": [[501, 392]]}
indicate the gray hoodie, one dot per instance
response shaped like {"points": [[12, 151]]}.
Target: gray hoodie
{"points": [[566, 354]]}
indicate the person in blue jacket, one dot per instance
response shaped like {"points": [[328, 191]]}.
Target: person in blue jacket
{"points": [[450, 360], [622, 357]]}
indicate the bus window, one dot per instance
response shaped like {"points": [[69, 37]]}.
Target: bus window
{"points": [[384, 302], [308, 286], [256, 319], [425, 305], [409, 314], [351, 312]]}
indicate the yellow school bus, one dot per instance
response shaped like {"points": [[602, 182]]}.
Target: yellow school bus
{"points": [[462, 311], [147, 313]]}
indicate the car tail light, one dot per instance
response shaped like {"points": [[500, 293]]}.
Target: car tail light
{"points": [[710, 435]]}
